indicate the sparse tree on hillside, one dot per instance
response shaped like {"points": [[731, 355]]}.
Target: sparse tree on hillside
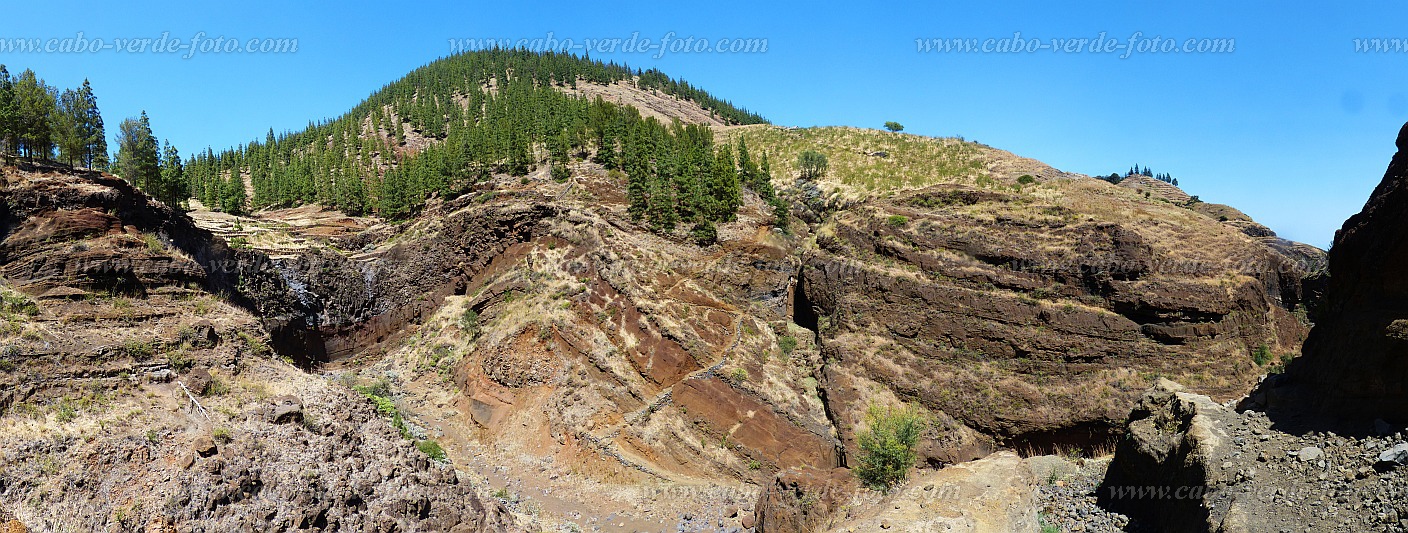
{"points": [[174, 189], [812, 165], [35, 103], [7, 112], [95, 143], [894, 126], [137, 159]]}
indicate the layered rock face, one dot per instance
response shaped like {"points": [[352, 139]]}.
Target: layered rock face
{"points": [[1034, 322], [1355, 365], [138, 390]]}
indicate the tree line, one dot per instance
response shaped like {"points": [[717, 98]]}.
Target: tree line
{"points": [[1137, 170], [471, 116], [37, 121]]}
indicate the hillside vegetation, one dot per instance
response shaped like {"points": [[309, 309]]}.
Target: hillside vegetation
{"points": [[442, 128]]}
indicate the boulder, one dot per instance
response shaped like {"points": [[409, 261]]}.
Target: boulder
{"points": [[803, 499], [197, 380], [1397, 455], [204, 446], [1166, 471], [286, 409]]}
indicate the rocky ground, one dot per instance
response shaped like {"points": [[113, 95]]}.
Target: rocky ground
{"points": [[1067, 495], [1191, 463]]}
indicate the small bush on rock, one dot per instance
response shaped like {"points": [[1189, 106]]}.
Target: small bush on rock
{"points": [[887, 446]]}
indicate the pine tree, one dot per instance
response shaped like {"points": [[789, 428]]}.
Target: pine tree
{"points": [[558, 149], [747, 170], [639, 180], [137, 159], [35, 103], [174, 189], [812, 165], [232, 195], [67, 127], [7, 112], [723, 187], [95, 143]]}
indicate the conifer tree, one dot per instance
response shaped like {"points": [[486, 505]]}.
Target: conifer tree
{"points": [[95, 143], [723, 187], [174, 189], [7, 112], [35, 103], [68, 127], [137, 159]]}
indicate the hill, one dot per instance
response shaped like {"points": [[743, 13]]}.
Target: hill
{"points": [[588, 304]]}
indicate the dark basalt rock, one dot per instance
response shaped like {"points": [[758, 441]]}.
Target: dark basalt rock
{"points": [[1355, 363]]}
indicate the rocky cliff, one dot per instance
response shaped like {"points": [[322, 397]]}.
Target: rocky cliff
{"points": [[138, 389], [1318, 448], [1355, 365]]}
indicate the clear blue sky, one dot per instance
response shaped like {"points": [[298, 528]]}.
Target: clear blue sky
{"points": [[1293, 127]]}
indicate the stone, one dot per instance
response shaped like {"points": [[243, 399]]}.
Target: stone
{"points": [[1310, 453], [197, 380], [163, 375], [203, 334], [204, 446], [286, 409], [803, 498], [747, 521], [1397, 455]]}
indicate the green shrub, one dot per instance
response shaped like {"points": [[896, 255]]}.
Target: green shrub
{"points": [[887, 446], [18, 304], [153, 244], [66, 412], [432, 449], [896, 221], [739, 374], [704, 233], [221, 435], [256, 345], [178, 360], [787, 343], [469, 323], [1262, 355], [379, 393], [138, 348], [1026, 179], [217, 387]]}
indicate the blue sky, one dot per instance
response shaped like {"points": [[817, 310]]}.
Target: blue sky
{"points": [[1293, 127]]}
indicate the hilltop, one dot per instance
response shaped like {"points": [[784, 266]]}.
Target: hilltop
{"points": [[501, 264]]}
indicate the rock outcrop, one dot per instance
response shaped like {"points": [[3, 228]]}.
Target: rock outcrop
{"points": [[153, 401], [1317, 448], [1355, 364], [1169, 467], [803, 500], [1033, 324]]}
